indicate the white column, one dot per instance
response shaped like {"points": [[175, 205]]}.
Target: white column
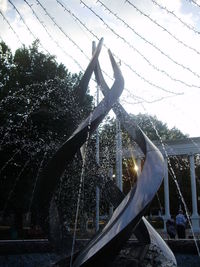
{"points": [[195, 216], [97, 209], [111, 206], [166, 194], [97, 161], [118, 155]]}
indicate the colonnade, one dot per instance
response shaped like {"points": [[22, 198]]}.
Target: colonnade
{"points": [[195, 218], [187, 147]]}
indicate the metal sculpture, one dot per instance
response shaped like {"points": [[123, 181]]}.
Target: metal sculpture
{"points": [[56, 166], [103, 248], [144, 231]]}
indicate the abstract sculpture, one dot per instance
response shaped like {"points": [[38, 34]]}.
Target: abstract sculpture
{"points": [[128, 215]]}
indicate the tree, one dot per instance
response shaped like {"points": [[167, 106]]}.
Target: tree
{"points": [[150, 125], [27, 66], [156, 131], [6, 69], [33, 66], [38, 112], [179, 165]]}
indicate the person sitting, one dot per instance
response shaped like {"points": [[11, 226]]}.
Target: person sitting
{"points": [[181, 224]]}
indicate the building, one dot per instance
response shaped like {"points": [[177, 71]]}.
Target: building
{"points": [[185, 147]]}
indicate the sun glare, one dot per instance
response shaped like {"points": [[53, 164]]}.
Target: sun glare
{"points": [[136, 168]]}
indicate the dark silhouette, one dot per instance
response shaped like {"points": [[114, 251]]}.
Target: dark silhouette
{"points": [[171, 228], [181, 224]]}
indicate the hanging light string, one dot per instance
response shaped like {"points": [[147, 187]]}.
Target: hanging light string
{"points": [[141, 100], [77, 20], [93, 34], [51, 37], [139, 75], [61, 29], [149, 82], [163, 28], [190, 27], [18, 38], [29, 30], [194, 2], [141, 37], [134, 71], [127, 65]]}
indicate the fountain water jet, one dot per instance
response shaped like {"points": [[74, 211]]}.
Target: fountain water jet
{"points": [[128, 215]]}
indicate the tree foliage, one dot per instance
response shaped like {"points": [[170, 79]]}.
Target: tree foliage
{"points": [[150, 125], [156, 130], [38, 112], [6, 68]]}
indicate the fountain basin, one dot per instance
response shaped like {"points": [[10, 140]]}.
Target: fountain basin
{"points": [[34, 253]]}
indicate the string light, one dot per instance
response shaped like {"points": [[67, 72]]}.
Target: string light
{"points": [[145, 40], [141, 99], [162, 71], [190, 27], [158, 49], [60, 28], [139, 75], [194, 2], [18, 38], [164, 29], [75, 17], [31, 33], [51, 37]]}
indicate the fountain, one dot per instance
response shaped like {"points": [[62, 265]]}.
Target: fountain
{"points": [[127, 218], [109, 246]]}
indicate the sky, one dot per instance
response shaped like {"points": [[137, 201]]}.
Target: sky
{"points": [[156, 43]]}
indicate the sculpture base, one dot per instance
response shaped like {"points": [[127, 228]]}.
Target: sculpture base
{"points": [[39, 253]]}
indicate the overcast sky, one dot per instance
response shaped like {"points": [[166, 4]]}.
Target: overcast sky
{"points": [[158, 48]]}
